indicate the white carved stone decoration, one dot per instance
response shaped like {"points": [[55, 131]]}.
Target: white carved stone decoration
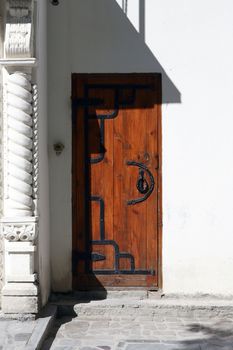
{"points": [[1, 265], [19, 43], [19, 223], [35, 162], [19, 146], [18, 29], [20, 232]]}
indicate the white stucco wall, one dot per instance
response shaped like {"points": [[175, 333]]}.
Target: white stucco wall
{"points": [[44, 224], [191, 42], [1, 152]]}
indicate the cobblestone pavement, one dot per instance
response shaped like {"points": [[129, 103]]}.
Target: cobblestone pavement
{"points": [[164, 330], [14, 335]]}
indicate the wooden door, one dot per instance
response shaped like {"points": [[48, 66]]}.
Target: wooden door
{"points": [[116, 181]]}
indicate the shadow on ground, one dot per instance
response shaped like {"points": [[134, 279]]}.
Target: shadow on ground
{"points": [[196, 336], [216, 337]]}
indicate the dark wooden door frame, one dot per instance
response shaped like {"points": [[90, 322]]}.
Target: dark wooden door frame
{"points": [[74, 178]]}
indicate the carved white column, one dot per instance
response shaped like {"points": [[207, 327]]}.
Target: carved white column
{"points": [[35, 155], [19, 225], [19, 146]]}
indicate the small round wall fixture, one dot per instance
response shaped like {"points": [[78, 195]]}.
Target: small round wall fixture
{"points": [[54, 2], [58, 148]]}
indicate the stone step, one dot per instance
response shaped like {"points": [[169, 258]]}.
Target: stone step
{"points": [[106, 294], [131, 308]]}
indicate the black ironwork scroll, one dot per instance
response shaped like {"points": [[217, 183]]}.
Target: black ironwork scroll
{"points": [[142, 184]]}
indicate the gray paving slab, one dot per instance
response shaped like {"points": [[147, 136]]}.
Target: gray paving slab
{"points": [[135, 327], [169, 329], [25, 332], [15, 334]]}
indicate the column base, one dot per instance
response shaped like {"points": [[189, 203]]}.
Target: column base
{"points": [[20, 298], [20, 293]]}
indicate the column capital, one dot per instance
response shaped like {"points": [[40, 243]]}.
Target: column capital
{"points": [[18, 41]]}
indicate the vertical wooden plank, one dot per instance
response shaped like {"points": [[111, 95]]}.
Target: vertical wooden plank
{"points": [[136, 224], [101, 174], [160, 213], [79, 235], [109, 188], [95, 178], [119, 233], [151, 216]]}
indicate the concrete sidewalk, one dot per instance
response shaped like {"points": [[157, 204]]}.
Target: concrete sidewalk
{"points": [[143, 325]]}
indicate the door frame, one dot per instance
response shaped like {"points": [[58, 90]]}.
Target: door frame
{"points": [[74, 177]]}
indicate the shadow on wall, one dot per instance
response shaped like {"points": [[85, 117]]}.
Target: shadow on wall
{"points": [[104, 41], [86, 36]]}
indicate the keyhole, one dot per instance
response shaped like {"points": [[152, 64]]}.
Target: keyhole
{"points": [[142, 184], [146, 157]]}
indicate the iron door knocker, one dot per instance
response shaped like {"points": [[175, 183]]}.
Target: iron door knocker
{"points": [[142, 184]]}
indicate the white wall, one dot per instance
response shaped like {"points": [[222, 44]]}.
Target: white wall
{"points": [[44, 225], [192, 39], [1, 151], [190, 43]]}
